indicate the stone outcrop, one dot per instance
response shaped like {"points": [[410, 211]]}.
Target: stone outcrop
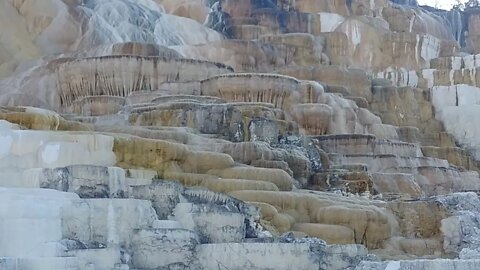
{"points": [[193, 134]]}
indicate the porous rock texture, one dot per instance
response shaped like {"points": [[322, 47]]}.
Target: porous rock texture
{"points": [[247, 134]]}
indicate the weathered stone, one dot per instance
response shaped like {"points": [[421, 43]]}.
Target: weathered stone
{"points": [[164, 195], [127, 140], [163, 248]]}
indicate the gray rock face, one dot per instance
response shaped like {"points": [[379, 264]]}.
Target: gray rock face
{"points": [[106, 222], [420, 265], [296, 254], [462, 229], [164, 195], [219, 20], [234, 219], [213, 224], [39, 263], [307, 149], [63, 231], [221, 119], [168, 248], [314, 135], [257, 256], [205, 196], [263, 130], [205, 230], [87, 181]]}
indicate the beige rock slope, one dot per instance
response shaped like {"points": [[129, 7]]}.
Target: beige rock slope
{"points": [[170, 145]]}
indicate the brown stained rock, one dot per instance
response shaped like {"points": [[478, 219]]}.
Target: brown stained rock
{"points": [[127, 48], [147, 153], [355, 80], [77, 79], [399, 48], [412, 110], [249, 32], [217, 184], [187, 117], [448, 77], [347, 144], [405, 106], [203, 162], [261, 155], [313, 118], [267, 211], [370, 224], [342, 7], [171, 134], [58, 83], [57, 27], [228, 185], [243, 55], [455, 156], [189, 179], [167, 158], [221, 119], [193, 9], [336, 48], [308, 48], [351, 182], [97, 105], [288, 22], [415, 20], [264, 110], [400, 248], [250, 87], [274, 164], [305, 101], [418, 219], [409, 134], [442, 181], [186, 98], [276, 176], [473, 31], [397, 184]]}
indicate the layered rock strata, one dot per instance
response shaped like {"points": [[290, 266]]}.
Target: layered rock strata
{"points": [[237, 135]]}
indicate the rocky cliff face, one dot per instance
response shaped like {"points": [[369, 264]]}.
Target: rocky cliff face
{"points": [[238, 134]]}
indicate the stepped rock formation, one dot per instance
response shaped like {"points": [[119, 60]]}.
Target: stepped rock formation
{"points": [[246, 134]]}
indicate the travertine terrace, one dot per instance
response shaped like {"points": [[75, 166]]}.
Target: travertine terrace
{"points": [[238, 134]]}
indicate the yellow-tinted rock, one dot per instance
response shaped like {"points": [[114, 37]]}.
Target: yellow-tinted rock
{"points": [[147, 153], [243, 55], [308, 48], [315, 119], [77, 78], [192, 9], [283, 222], [278, 177], [473, 30], [371, 225], [355, 80], [249, 87], [98, 105], [33, 118], [201, 161], [268, 211], [228, 185]]}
